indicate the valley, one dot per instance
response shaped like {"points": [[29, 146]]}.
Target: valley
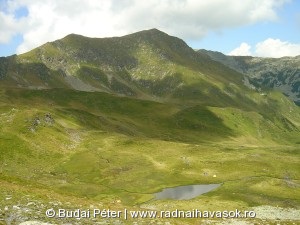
{"points": [[107, 123]]}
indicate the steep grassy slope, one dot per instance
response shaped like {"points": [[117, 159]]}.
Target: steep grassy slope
{"points": [[149, 65]]}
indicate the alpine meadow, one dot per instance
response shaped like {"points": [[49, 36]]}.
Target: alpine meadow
{"points": [[105, 123]]}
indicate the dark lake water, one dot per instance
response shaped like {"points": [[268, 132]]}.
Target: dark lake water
{"points": [[185, 192]]}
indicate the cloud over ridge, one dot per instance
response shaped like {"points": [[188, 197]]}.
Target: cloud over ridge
{"points": [[191, 19], [274, 48]]}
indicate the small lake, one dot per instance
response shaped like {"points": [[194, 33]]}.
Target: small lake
{"points": [[185, 192]]}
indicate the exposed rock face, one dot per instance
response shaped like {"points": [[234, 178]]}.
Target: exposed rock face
{"points": [[282, 74]]}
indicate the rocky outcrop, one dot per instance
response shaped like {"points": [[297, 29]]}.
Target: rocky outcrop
{"points": [[281, 74], [40, 120]]}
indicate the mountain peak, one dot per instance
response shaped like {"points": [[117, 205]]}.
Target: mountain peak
{"points": [[145, 62], [151, 32], [144, 33]]}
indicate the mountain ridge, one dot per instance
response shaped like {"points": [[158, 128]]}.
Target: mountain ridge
{"points": [[281, 74], [147, 63]]}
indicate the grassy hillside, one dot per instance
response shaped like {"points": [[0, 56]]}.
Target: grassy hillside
{"points": [[64, 148], [147, 65]]}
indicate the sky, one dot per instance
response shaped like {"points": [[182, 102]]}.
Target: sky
{"points": [[264, 28]]}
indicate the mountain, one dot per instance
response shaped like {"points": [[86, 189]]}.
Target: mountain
{"points": [[152, 65], [104, 123], [281, 74], [148, 64]]}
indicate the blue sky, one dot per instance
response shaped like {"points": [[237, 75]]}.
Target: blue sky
{"points": [[285, 28], [267, 28]]}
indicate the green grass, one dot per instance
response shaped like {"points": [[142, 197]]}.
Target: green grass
{"points": [[118, 151], [186, 120], [147, 65], [103, 148]]}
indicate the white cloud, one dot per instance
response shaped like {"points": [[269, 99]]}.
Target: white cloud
{"points": [[276, 48], [243, 50], [7, 23], [9, 27], [52, 19]]}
